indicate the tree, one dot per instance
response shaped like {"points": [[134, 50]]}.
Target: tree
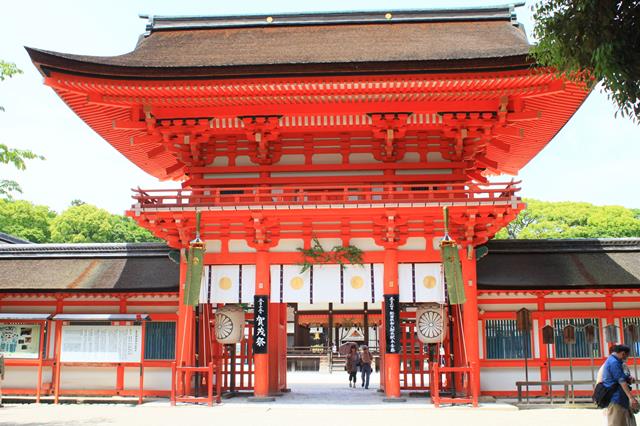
{"points": [[86, 223], [572, 220], [592, 41], [26, 220], [16, 157]]}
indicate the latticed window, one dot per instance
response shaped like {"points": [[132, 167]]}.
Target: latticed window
{"points": [[581, 349], [160, 340], [628, 340], [505, 341]]}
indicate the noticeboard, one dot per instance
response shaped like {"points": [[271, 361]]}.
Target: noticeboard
{"points": [[20, 340], [392, 323], [260, 324], [101, 343]]}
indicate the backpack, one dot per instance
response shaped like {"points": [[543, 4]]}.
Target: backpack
{"points": [[602, 394]]}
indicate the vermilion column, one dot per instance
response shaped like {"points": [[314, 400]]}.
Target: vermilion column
{"points": [[261, 361], [391, 363], [185, 332], [470, 318]]}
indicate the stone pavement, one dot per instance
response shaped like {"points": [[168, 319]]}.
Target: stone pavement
{"points": [[316, 399]]}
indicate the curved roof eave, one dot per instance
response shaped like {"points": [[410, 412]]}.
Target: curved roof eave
{"points": [[96, 66]]}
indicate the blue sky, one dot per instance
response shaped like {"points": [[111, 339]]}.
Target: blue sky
{"points": [[595, 158]]}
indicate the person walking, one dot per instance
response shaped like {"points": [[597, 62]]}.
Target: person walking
{"points": [[623, 404], [365, 366], [353, 359]]}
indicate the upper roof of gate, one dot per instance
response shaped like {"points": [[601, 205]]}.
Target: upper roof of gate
{"points": [[449, 40]]}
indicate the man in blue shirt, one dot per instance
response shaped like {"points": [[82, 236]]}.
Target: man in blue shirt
{"points": [[619, 410]]}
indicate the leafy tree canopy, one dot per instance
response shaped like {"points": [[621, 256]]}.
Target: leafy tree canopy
{"points": [[599, 37], [85, 223], [26, 220], [80, 223], [543, 219], [15, 157]]}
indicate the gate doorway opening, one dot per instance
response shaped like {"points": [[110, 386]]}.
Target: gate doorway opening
{"points": [[305, 358]]}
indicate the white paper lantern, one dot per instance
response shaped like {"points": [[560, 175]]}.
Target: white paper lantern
{"points": [[229, 325], [431, 324]]}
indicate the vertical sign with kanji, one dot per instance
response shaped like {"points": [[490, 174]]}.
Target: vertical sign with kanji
{"points": [[392, 323], [260, 315]]}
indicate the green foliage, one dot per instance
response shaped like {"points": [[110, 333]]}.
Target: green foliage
{"points": [[8, 69], [86, 223], [81, 223], [26, 220], [592, 41], [338, 254], [543, 219], [16, 157]]}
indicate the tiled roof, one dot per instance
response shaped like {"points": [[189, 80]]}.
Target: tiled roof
{"points": [[87, 267], [560, 264], [350, 42]]}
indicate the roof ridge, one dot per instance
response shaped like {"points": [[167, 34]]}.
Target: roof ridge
{"points": [[478, 13], [83, 250], [565, 245]]}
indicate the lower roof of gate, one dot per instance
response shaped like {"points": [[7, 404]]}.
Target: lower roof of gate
{"points": [[510, 265]]}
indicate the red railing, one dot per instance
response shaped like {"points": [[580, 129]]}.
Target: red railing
{"points": [[472, 396], [324, 195]]}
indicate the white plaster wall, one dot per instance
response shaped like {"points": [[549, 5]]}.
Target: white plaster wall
{"points": [[414, 243], [573, 306], [435, 157], [244, 160], [326, 158], [508, 307], [425, 172], [365, 244], [133, 309], [579, 373], [626, 305], [410, 157], [221, 161], [154, 378], [88, 309], [362, 158], [240, 246], [291, 159], [213, 246], [88, 378], [288, 245], [329, 173], [20, 377], [28, 309], [504, 379]]}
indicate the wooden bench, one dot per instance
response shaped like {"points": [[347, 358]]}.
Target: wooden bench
{"points": [[565, 383]]}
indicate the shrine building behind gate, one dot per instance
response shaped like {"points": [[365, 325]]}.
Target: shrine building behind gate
{"points": [[342, 128]]}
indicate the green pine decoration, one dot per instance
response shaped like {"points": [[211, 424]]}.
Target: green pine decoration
{"points": [[452, 266], [195, 268]]}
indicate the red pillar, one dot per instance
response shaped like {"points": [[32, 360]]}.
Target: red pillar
{"points": [[185, 333], [274, 347], [391, 363], [470, 318], [261, 361]]}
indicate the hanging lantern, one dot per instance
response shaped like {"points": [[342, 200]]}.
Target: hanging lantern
{"points": [[611, 333], [569, 334], [430, 323], [548, 335], [195, 268], [452, 265], [229, 324], [523, 320], [590, 333]]}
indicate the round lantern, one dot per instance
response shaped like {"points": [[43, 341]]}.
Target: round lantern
{"points": [[229, 324], [431, 326]]}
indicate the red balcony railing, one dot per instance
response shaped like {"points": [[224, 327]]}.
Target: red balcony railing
{"points": [[325, 195]]}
